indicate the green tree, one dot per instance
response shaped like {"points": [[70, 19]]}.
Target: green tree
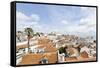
{"points": [[38, 34], [62, 50], [29, 32]]}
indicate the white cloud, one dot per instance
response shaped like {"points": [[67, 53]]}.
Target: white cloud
{"points": [[64, 22], [24, 21], [21, 16], [85, 25], [35, 17], [90, 20]]}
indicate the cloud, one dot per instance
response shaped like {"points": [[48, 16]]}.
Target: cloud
{"points": [[90, 20], [35, 17], [86, 25], [22, 17], [65, 21], [24, 21]]}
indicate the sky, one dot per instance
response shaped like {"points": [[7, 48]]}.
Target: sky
{"points": [[56, 18]]}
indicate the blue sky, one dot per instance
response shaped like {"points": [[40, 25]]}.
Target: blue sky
{"points": [[60, 19]]}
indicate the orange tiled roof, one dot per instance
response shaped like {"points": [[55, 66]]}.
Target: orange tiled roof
{"points": [[50, 54], [35, 58], [46, 44]]}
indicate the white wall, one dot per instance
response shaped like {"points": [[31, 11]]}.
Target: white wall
{"points": [[5, 34]]}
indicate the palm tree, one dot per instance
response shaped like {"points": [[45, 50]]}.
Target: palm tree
{"points": [[29, 33]]}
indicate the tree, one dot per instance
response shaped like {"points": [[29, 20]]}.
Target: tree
{"points": [[18, 35], [29, 33], [62, 50], [37, 34]]}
